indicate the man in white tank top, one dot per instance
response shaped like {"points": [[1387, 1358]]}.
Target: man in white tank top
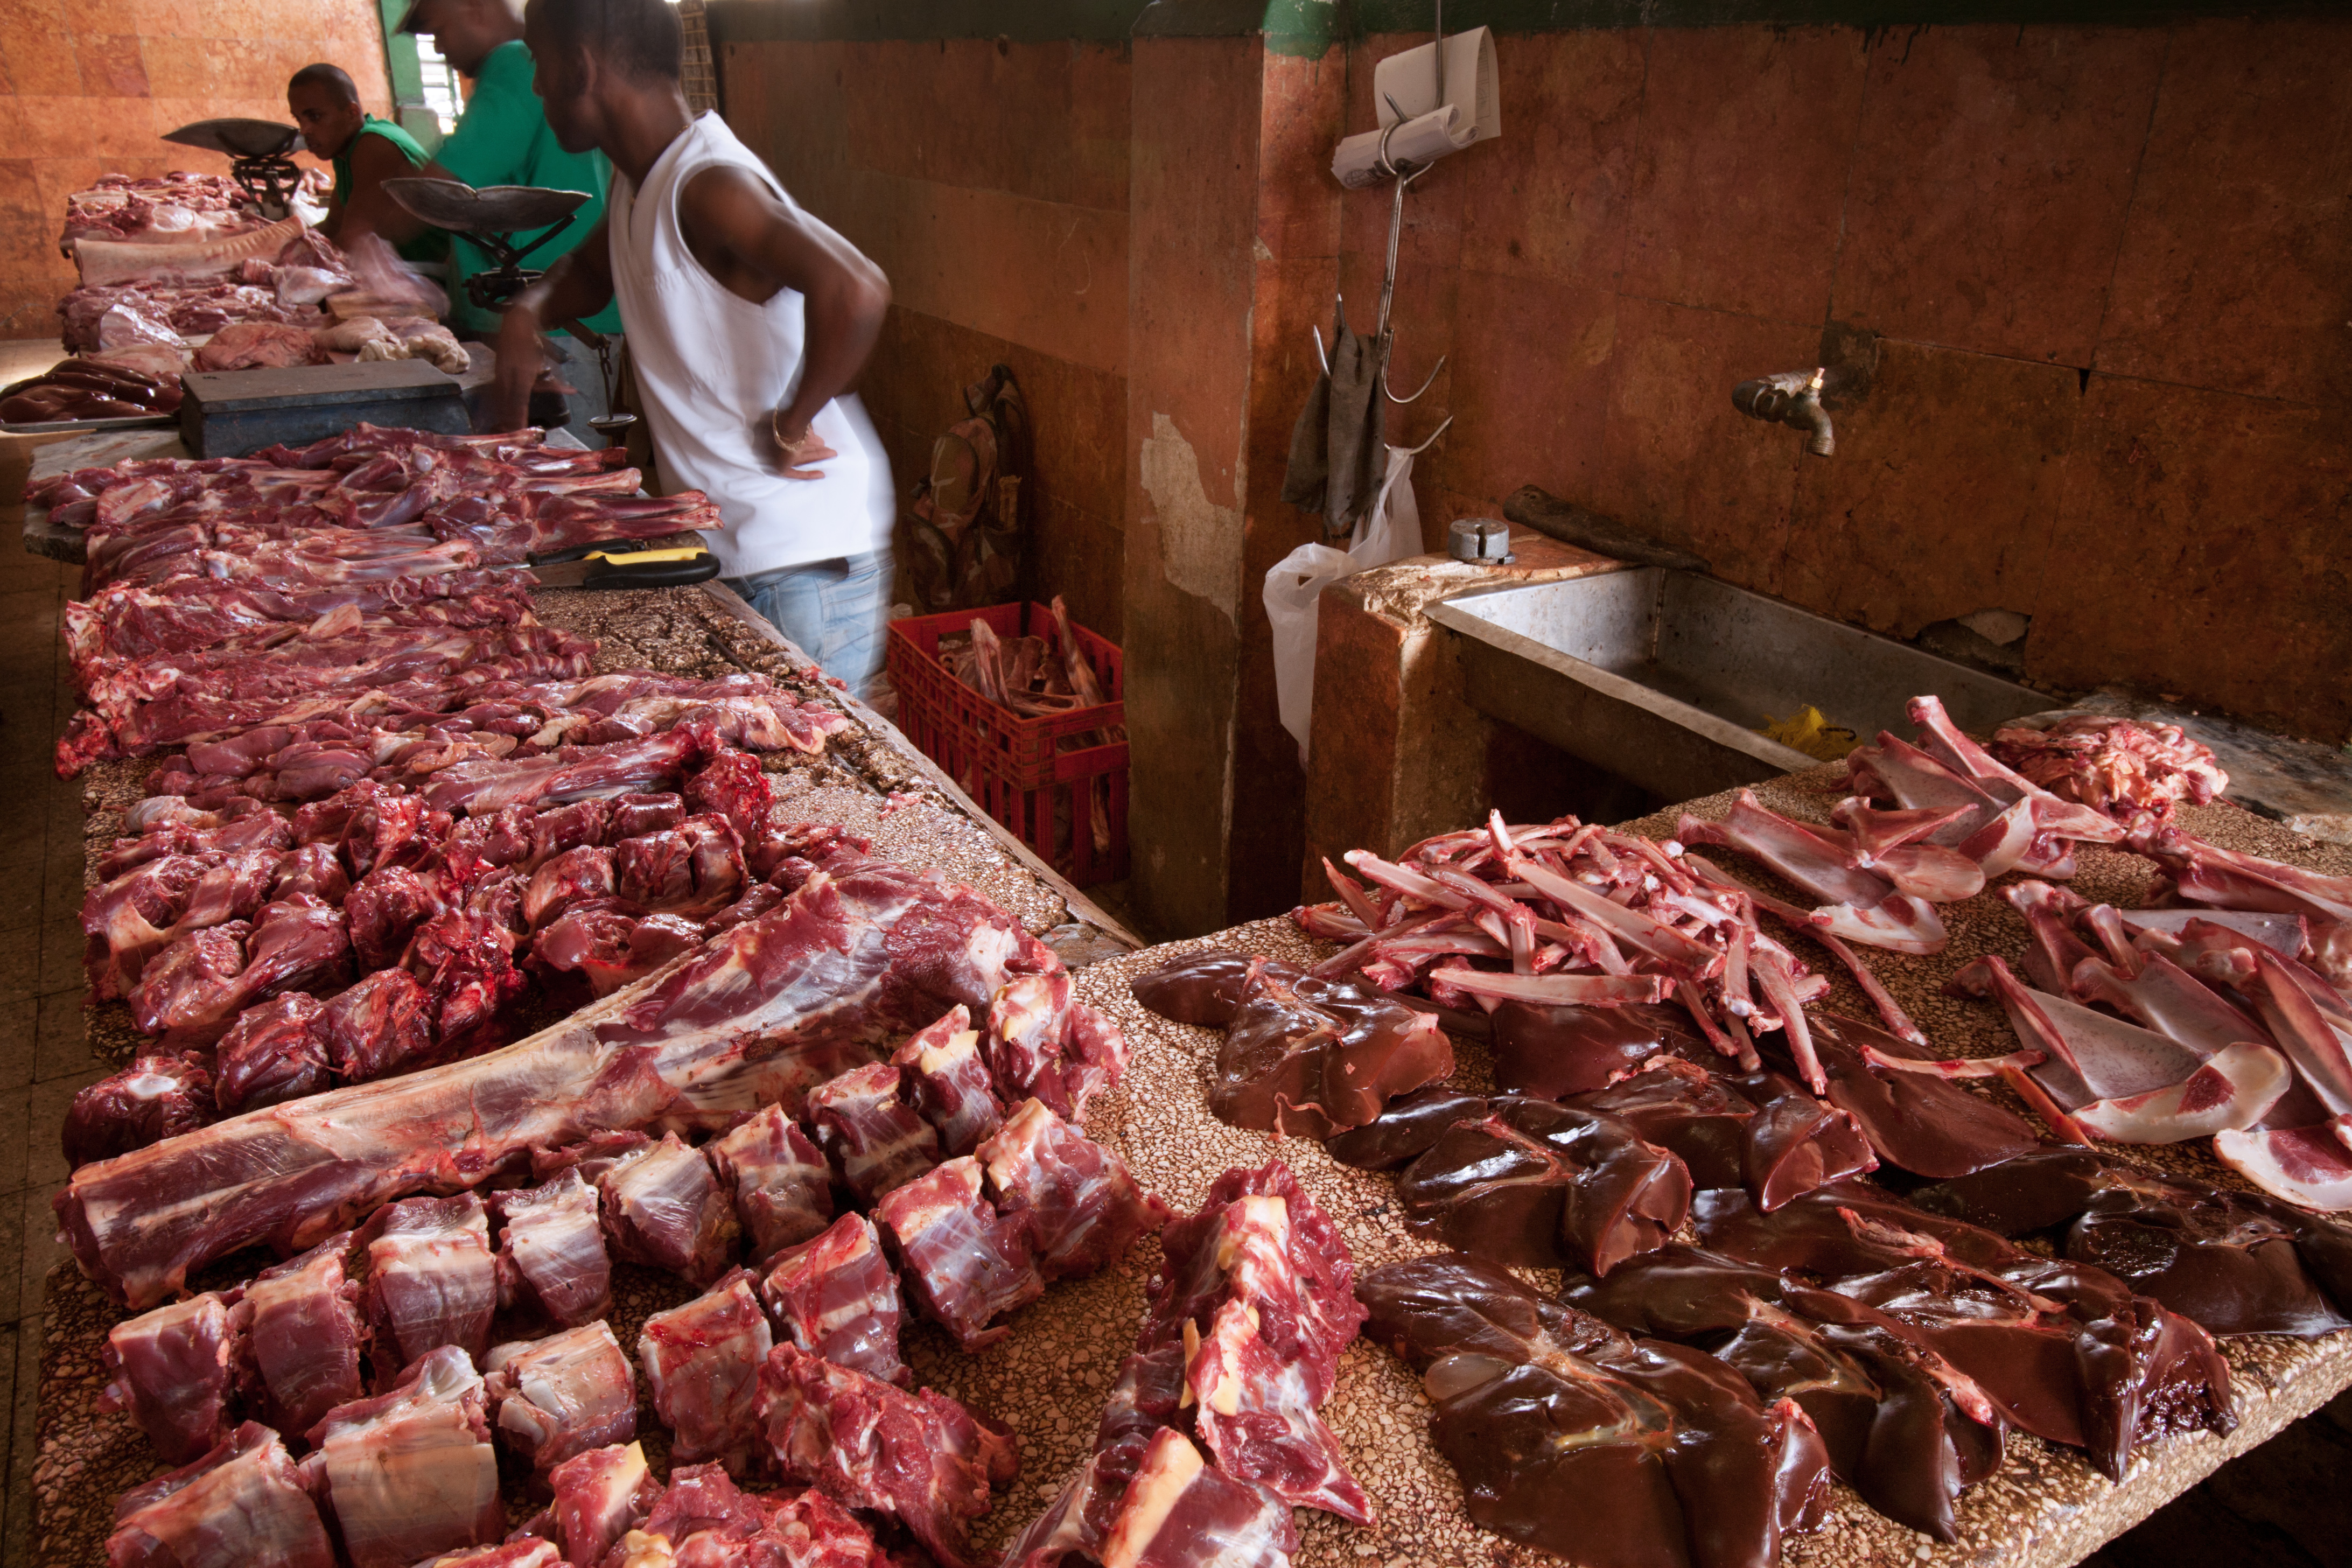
{"points": [[747, 320]]}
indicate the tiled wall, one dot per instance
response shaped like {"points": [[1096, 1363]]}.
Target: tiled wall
{"points": [[90, 85], [2113, 267], [989, 180]]}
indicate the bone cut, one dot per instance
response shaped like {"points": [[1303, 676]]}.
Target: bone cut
{"points": [[431, 1281], [298, 1337], [556, 1398], [967, 1265], [869, 1131], [1083, 1209], [781, 1183], [948, 1080], [1576, 1439], [663, 1206], [1857, 905], [919, 1458], [599, 1496], [837, 1297], [702, 1362], [552, 1255], [173, 1369], [411, 1473], [758, 1016], [243, 1503]]}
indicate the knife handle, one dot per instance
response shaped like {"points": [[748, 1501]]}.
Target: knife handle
{"points": [[670, 570]]}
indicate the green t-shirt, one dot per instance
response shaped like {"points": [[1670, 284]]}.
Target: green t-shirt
{"points": [[503, 140], [432, 245]]}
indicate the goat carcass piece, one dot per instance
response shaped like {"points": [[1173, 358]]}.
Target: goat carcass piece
{"points": [[702, 1361], [1259, 1238], [192, 990], [858, 955], [1083, 1207], [551, 1253], [919, 1458], [273, 1053], [1173, 1511], [947, 1078], [1900, 1424], [568, 773], [599, 1497], [172, 1369], [129, 920], [1537, 1184], [1257, 1416], [967, 1264], [2063, 1349], [837, 1297], [297, 1336], [872, 1135], [1760, 1130], [2231, 1262], [155, 1097], [1572, 1437], [243, 1503], [411, 1472], [554, 1398], [782, 1187], [1857, 905], [432, 1281], [663, 1207], [1040, 1043]]}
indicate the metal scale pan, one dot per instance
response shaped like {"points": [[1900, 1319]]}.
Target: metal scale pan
{"points": [[490, 211], [260, 153]]}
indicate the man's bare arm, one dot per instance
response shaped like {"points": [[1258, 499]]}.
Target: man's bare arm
{"points": [[367, 209], [754, 245], [579, 284]]}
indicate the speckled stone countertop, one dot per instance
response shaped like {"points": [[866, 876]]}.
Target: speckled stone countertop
{"points": [[2046, 1507]]}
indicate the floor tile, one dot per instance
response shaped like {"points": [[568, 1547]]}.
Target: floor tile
{"points": [[61, 1036], [36, 1225], [45, 1158]]}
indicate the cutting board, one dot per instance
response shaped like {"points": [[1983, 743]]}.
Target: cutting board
{"points": [[228, 413]]}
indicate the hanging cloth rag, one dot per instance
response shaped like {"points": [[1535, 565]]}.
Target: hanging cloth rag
{"points": [[1336, 460]]}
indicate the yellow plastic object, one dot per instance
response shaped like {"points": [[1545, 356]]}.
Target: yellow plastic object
{"points": [[646, 557], [1808, 732]]}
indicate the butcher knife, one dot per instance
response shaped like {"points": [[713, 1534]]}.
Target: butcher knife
{"points": [[626, 568]]}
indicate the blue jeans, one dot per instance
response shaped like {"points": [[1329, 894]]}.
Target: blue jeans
{"points": [[837, 611]]}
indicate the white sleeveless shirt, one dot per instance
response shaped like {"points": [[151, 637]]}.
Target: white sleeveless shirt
{"points": [[713, 366]]}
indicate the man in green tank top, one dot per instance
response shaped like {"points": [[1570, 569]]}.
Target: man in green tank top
{"points": [[365, 151]]}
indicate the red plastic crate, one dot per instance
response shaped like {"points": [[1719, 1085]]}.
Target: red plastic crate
{"points": [[1015, 767]]}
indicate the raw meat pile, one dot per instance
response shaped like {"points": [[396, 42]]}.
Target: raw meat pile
{"points": [[328, 534], [1648, 1040], [148, 292], [177, 208], [2115, 765], [949, 1150]]}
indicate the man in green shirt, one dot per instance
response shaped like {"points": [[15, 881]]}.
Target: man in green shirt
{"points": [[503, 140], [365, 153]]}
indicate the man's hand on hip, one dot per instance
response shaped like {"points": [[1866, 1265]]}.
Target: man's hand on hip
{"points": [[802, 450]]}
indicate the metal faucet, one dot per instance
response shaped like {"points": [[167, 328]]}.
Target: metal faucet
{"points": [[1792, 399]]}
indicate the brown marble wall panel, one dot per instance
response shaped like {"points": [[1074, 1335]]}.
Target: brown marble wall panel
{"points": [[1554, 210], [1943, 494], [2236, 265], [1745, 140], [1990, 184], [2200, 552]]}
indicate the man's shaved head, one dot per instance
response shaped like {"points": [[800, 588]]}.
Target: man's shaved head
{"points": [[639, 39], [333, 81]]}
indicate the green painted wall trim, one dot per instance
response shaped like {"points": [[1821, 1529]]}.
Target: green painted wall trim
{"points": [[400, 55], [1309, 26]]}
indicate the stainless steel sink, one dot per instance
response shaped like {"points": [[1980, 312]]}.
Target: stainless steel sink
{"points": [[1665, 677]]}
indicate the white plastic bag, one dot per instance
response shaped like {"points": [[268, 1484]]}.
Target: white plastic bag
{"points": [[1390, 531]]}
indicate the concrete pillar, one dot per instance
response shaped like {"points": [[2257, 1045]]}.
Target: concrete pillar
{"points": [[1233, 255]]}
